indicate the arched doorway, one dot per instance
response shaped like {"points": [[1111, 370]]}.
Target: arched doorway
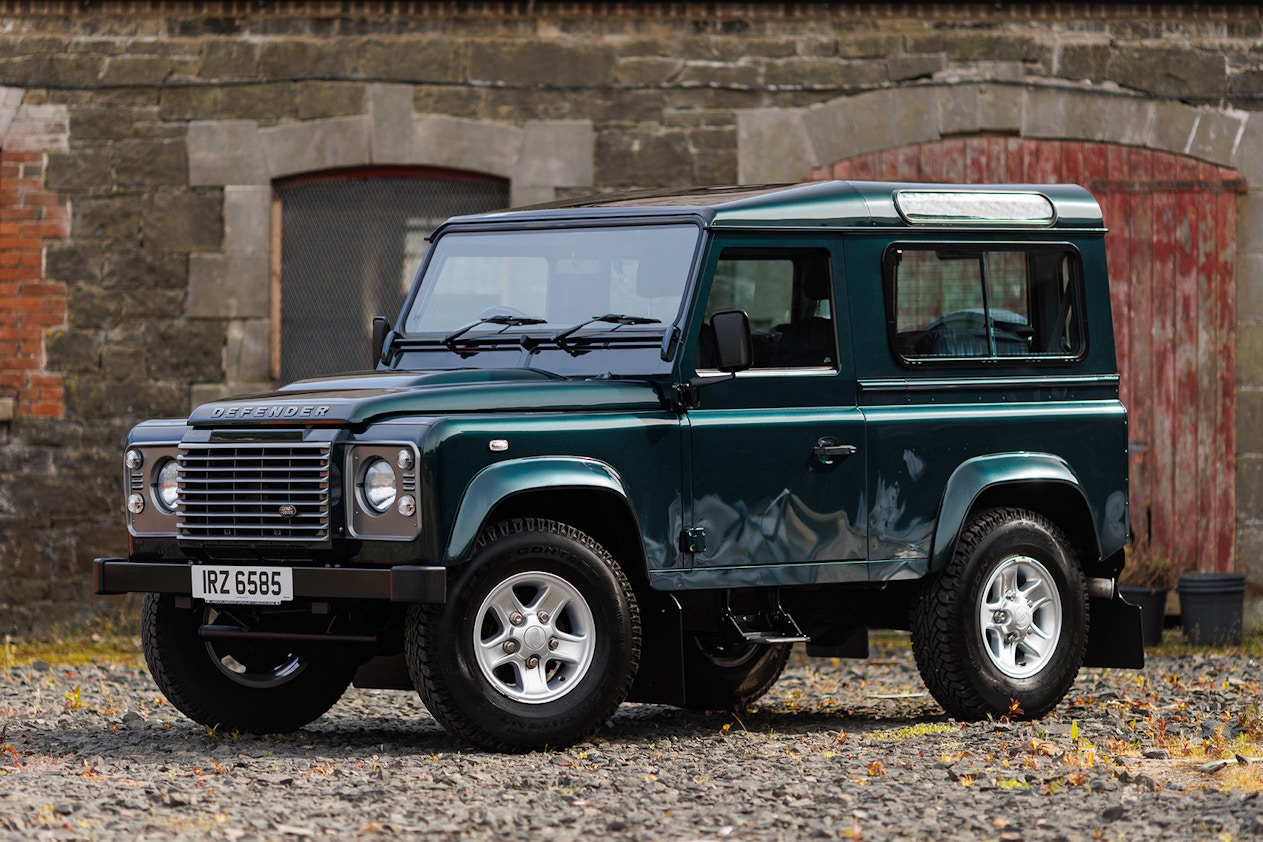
{"points": [[1172, 253]]}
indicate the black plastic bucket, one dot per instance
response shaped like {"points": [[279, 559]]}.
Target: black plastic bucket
{"points": [[1153, 607], [1211, 607]]}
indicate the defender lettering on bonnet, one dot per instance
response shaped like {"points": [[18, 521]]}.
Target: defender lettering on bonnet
{"points": [[272, 411], [742, 419]]}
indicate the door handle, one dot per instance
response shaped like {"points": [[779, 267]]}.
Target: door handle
{"points": [[827, 448]]}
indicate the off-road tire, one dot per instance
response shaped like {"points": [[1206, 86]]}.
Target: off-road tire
{"points": [[727, 676], [184, 668], [949, 626], [448, 650]]}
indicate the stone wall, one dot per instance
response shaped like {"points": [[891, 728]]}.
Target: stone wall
{"points": [[173, 125]]}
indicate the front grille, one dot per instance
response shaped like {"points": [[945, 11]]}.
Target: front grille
{"points": [[245, 491]]}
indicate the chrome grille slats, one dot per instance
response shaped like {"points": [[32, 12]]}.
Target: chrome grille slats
{"points": [[235, 491]]}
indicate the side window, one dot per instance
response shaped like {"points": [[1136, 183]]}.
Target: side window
{"points": [[787, 295], [954, 302]]}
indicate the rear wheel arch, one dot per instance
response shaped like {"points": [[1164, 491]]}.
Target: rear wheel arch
{"points": [[1039, 483]]}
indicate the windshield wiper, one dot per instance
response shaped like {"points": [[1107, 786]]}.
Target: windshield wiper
{"points": [[612, 318], [506, 319]]}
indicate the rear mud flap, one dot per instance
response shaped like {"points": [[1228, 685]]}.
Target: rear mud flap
{"points": [[1114, 635]]}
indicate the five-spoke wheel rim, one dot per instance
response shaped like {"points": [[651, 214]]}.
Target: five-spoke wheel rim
{"points": [[1020, 617], [534, 637]]}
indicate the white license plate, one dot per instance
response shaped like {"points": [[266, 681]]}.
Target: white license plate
{"points": [[256, 585]]}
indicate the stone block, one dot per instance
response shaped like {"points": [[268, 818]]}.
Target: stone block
{"points": [[247, 354], [183, 220], [90, 397], [959, 109], [1216, 135], [146, 70], [1045, 113], [902, 68], [557, 154], [1000, 108], [184, 104], [773, 145], [144, 270], [150, 163], [1170, 71], [316, 100], [189, 351], [7, 408], [1247, 158], [643, 158], [247, 219], [736, 75], [97, 122], [268, 102], [1089, 116], [85, 171], [990, 46], [1249, 287], [315, 145], [646, 70], [1249, 422], [1078, 62], [830, 132], [72, 350], [292, 58], [229, 286], [229, 58], [1127, 121], [419, 60], [885, 119], [390, 113], [1173, 126], [74, 260], [10, 101], [477, 145], [125, 363], [111, 217], [224, 152], [541, 62], [1250, 487]]}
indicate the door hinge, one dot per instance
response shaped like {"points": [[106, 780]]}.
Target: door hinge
{"points": [[693, 540]]}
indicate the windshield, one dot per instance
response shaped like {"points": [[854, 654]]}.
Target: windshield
{"points": [[612, 278]]}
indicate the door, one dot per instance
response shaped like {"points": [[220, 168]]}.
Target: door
{"points": [[776, 453]]}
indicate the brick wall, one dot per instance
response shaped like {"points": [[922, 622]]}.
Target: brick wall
{"points": [[30, 215]]}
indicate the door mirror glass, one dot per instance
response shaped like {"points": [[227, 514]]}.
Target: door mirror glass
{"points": [[732, 340]]}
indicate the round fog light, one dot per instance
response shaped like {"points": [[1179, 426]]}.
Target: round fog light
{"points": [[405, 460], [134, 459], [407, 506], [136, 504]]}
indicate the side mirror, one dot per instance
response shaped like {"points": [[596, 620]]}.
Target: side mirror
{"points": [[381, 326], [733, 347]]}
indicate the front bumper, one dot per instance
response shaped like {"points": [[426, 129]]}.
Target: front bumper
{"points": [[404, 583]]}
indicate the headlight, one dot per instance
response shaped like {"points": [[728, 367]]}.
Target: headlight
{"points": [[379, 485], [167, 485]]}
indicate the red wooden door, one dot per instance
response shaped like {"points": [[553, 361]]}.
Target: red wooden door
{"points": [[1172, 251]]}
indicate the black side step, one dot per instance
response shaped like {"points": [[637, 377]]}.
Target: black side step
{"points": [[764, 628]]}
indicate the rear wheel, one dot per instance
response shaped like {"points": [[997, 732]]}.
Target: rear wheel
{"points": [[1002, 629], [724, 675], [254, 686], [536, 645]]}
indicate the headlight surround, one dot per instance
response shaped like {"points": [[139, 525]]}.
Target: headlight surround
{"points": [[167, 485], [380, 486]]}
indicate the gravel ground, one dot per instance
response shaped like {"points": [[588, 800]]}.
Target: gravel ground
{"points": [[839, 749]]}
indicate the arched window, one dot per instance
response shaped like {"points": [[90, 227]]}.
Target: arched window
{"points": [[350, 243]]}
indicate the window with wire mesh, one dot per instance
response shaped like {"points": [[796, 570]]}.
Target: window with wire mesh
{"points": [[350, 246], [965, 302]]}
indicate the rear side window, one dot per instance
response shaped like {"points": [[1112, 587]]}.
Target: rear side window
{"points": [[980, 303]]}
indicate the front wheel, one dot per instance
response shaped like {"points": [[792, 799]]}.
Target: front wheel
{"points": [[249, 685], [1003, 628], [537, 643]]}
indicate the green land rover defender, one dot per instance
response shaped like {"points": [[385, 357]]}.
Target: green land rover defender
{"points": [[636, 447]]}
